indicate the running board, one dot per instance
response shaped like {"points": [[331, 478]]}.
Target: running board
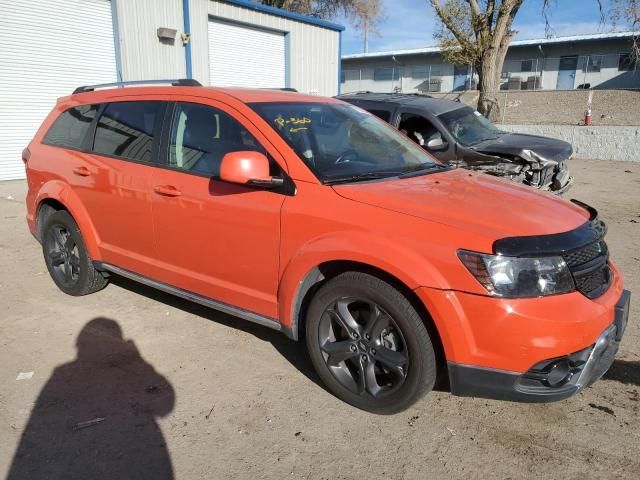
{"points": [[194, 297]]}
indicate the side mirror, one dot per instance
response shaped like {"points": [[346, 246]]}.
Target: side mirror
{"points": [[248, 168], [437, 144]]}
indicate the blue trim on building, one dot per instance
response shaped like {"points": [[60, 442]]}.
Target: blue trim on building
{"points": [[339, 63], [187, 31], [116, 39], [287, 60], [285, 14]]}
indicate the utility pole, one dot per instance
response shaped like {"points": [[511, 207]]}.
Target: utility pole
{"points": [[366, 35]]}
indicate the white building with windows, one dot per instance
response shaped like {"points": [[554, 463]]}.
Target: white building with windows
{"points": [[53, 46], [563, 63]]}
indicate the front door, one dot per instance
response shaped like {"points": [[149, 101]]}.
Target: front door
{"points": [[567, 72], [216, 239]]}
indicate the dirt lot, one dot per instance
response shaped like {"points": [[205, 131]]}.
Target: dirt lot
{"points": [[189, 393]]}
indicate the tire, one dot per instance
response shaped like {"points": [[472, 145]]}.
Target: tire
{"points": [[369, 345], [66, 256]]}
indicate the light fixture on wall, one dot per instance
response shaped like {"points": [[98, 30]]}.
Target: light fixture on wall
{"points": [[167, 35]]}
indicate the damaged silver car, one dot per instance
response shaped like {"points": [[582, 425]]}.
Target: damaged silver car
{"points": [[458, 135]]}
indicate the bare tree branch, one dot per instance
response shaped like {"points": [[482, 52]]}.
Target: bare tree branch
{"points": [[627, 12], [448, 21], [475, 8]]}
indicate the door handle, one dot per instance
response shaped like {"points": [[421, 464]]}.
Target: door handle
{"points": [[82, 171], [167, 190]]}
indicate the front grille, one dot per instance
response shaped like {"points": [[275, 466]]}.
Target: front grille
{"points": [[589, 266], [592, 282], [585, 254]]}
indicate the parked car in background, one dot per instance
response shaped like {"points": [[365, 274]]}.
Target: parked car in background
{"points": [[312, 217], [460, 136]]}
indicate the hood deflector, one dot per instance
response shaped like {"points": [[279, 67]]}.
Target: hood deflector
{"points": [[556, 243]]}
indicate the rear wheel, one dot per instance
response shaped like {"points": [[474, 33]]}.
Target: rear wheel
{"points": [[369, 345], [66, 256]]}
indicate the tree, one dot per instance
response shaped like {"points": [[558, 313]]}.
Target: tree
{"points": [[478, 32], [628, 13], [363, 13]]}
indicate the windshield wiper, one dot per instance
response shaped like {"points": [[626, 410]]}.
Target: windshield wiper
{"points": [[360, 177], [425, 169]]}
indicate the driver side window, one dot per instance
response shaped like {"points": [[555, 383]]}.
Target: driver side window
{"points": [[418, 128], [201, 135]]}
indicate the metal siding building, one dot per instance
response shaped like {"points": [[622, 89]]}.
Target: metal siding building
{"points": [[551, 64], [48, 48], [53, 46]]}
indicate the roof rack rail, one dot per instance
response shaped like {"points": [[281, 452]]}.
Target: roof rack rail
{"points": [[360, 92], [386, 94], [281, 89], [180, 82]]}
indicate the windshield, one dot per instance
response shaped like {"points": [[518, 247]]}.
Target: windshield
{"points": [[342, 142], [468, 126]]}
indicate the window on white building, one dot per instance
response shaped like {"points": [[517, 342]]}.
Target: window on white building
{"points": [[592, 63], [381, 74]]}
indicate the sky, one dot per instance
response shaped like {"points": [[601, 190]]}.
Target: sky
{"points": [[411, 24]]}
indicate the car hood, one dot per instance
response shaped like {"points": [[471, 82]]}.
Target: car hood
{"points": [[515, 143], [481, 204]]}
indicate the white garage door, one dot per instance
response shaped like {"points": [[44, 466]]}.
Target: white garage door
{"points": [[49, 47], [243, 56]]}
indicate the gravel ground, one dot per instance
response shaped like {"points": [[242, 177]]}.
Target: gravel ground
{"points": [[132, 383]]}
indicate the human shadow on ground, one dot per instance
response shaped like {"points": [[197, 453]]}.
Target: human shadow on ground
{"points": [[624, 371], [95, 418]]}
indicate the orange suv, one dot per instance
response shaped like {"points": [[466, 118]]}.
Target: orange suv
{"points": [[311, 216]]}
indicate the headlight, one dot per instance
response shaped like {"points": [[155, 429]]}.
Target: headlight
{"points": [[518, 277]]}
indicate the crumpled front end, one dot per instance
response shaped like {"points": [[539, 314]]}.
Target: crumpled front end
{"points": [[546, 173], [539, 162]]}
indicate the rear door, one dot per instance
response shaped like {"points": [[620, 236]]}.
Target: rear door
{"points": [[216, 239], [384, 111], [113, 181]]}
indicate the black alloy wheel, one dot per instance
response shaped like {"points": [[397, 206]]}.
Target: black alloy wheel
{"points": [[66, 256], [363, 347], [369, 344], [63, 255]]}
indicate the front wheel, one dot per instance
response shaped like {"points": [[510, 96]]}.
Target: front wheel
{"points": [[369, 344]]}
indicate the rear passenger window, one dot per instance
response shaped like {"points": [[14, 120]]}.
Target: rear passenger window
{"points": [[126, 129], [381, 114], [202, 135], [71, 126]]}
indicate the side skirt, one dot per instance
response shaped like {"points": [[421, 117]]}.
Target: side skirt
{"points": [[194, 297]]}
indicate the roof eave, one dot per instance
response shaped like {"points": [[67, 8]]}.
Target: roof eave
{"points": [[258, 7], [514, 44]]}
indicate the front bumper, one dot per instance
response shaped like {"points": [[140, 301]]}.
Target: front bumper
{"points": [[550, 380], [562, 180]]}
